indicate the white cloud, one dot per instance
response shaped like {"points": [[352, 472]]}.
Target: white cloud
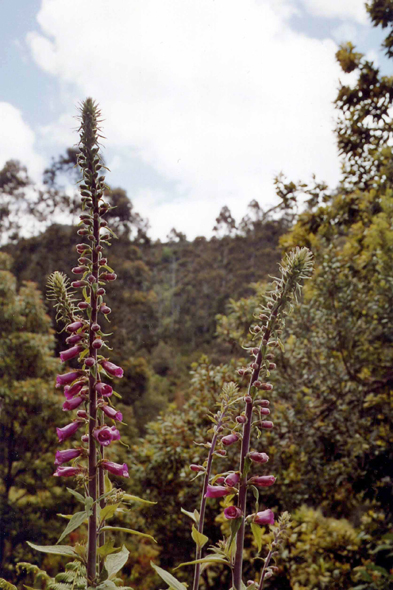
{"points": [[345, 9], [216, 95], [17, 141]]}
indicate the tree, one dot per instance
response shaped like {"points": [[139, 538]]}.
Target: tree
{"points": [[29, 408]]}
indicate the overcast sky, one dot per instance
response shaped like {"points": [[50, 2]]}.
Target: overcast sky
{"points": [[204, 101]]}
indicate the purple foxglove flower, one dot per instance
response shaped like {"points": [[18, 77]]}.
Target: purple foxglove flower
{"points": [[230, 439], [232, 479], [112, 413], [115, 468], [103, 435], [67, 455], [115, 433], [196, 468], [70, 391], [67, 431], [262, 481], [67, 378], [74, 338], [73, 403], [232, 512], [258, 457], [112, 369], [104, 389], [74, 326], [71, 353], [217, 491], [264, 517], [67, 471]]}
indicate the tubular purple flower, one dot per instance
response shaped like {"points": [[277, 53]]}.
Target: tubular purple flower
{"points": [[232, 512], [104, 389], [115, 433], [264, 517], [74, 326], [115, 468], [103, 435], [230, 439], [112, 369], [262, 481], [67, 431], [71, 391], [217, 491], [232, 479], [71, 353], [73, 403], [112, 413], [67, 471], [67, 455], [258, 457], [67, 378]]}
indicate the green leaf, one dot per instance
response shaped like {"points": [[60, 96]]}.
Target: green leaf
{"points": [[208, 559], [107, 484], [106, 585], [77, 495], [199, 538], [189, 514], [66, 516], [130, 531], [257, 534], [247, 466], [280, 344], [168, 578], [235, 526], [108, 511], [131, 498], [113, 563], [255, 491], [55, 549], [76, 521], [7, 585], [107, 549]]}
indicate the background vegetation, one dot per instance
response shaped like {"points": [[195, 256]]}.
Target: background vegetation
{"points": [[181, 311]]}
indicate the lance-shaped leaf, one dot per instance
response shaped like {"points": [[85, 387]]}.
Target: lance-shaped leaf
{"points": [[114, 562], [77, 495], [257, 534], [108, 548], [131, 498], [130, 531], [75, 522], [108, 511], [209, 559], [168, 578], [55, 549]]}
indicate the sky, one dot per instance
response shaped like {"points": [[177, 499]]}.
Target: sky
{"points": [[204, 101]]}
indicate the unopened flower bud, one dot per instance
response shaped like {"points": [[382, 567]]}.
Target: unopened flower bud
{"points": [[101, 291], [82, 231], [257, 384], [266, 386], [267, 425], [270, 356], [258, 457], [90, 362], [241, 419], [84, 260], [103, 261], [217, 491], [272, 366], [83, 305], [230, 439], [82, 414], [81, 248], [95, 327], [97, 343], [108, 276], [221, 452], [103, 223], [264, 411], [74, 326], [256, 329], [67, 378], [99, 248], [262, 402], [232, 479], [74, 338], [70, 353], [79, 270], [196, 468], [240, 372], [248, 399], [254, 366], [105, 309], [77, 284], [85, 438], [255, 351], [91, 279]]}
